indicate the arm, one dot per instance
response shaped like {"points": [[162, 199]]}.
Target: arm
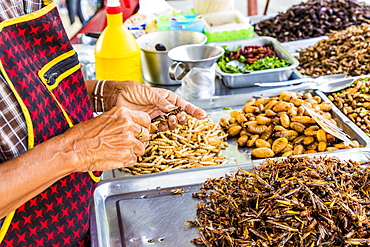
{"points": [[102, 143]]}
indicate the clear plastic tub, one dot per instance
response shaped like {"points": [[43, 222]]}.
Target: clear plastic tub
{"points": [[192, 23], [163, 22]]}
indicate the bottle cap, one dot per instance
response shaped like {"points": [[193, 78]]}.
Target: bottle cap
{"points": [[114, 7]]}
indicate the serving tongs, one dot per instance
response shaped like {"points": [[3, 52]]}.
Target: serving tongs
{"points": [[328, 126]]}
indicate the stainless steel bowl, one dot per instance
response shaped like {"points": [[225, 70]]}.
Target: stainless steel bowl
{"points": [[156, 63]]}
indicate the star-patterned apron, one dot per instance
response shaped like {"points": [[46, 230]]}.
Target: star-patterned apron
{"points": [[43, 71]]}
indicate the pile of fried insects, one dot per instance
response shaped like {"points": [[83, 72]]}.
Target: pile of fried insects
{"points": [[196, 143], [297, 201]]}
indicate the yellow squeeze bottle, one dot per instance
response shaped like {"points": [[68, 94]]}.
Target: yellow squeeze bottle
{"points": [[117, 53]]}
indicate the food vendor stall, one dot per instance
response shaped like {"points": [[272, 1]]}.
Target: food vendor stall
{"points": [[283, 165]]}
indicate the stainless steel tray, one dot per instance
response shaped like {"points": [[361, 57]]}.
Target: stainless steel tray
{"points": [[341, 115], [238, 155], [141, 210], [294, 46], [242, 155], [269, 75]]}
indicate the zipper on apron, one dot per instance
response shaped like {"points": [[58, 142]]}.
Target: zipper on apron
{"points": [[54, 72]]}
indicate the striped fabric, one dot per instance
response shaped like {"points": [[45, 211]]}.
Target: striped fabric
{"points": [[14, 8]]}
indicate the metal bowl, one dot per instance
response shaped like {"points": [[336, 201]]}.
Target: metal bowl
{"points": [[155, 62]]}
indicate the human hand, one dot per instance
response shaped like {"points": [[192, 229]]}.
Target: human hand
{"points": [[109, 140], [154, 101]]}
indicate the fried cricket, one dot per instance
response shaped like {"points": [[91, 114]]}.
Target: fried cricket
{"points": [[290, 202]]}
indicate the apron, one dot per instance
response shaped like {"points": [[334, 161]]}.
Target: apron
{"points": [[43, 71]]}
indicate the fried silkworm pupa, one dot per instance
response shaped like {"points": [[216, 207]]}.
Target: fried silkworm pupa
{"points": [[242, 141], [279, 144], [256, 129], [234, 131], [262, 152], [262, 143]]}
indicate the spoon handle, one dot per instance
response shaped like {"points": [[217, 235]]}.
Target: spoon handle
{"points": [[284, 83]]}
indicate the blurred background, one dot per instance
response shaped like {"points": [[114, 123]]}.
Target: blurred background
{"points": [[274, 6]]}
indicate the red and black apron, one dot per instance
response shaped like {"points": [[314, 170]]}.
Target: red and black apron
{"points": [[43, 71]]}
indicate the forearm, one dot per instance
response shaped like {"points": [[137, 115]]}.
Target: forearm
{"points": [[32, 172]]}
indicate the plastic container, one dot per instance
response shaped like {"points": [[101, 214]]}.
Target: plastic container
{"points": [[117, 53], [163, 22], [226, 26], [211, 6], [187, 22]]}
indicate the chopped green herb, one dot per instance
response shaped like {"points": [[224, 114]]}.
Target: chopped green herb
{"points": [[368, 134], [270, 61], [226, 108], [267, 63]]}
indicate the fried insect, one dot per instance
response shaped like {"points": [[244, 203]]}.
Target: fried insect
{"points": [[195, 144], [303, 119], [284, 116], [252, 140], [242, 141], [312, 130], [262, 152], [354, 102], [321, 136], [285, 120], [177, 191], [299, 127], [299, 149], [268, 132], [289, 134], [164, 118], [291, 202], [262, 143], [262, 120], [256, 129], [279, 144], [235, 130]]}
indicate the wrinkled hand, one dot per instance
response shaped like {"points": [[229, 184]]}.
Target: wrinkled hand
{"points": [[154, 101], [109, 140]]}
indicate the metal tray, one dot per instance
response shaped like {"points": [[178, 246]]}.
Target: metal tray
{"points": [[294, 46], [239, 155], [141, 211], [242, 155], [269, 75], [341, 114]]}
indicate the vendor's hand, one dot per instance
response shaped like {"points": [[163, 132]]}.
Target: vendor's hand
{"points": [[154, 101], [108, 141]]}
